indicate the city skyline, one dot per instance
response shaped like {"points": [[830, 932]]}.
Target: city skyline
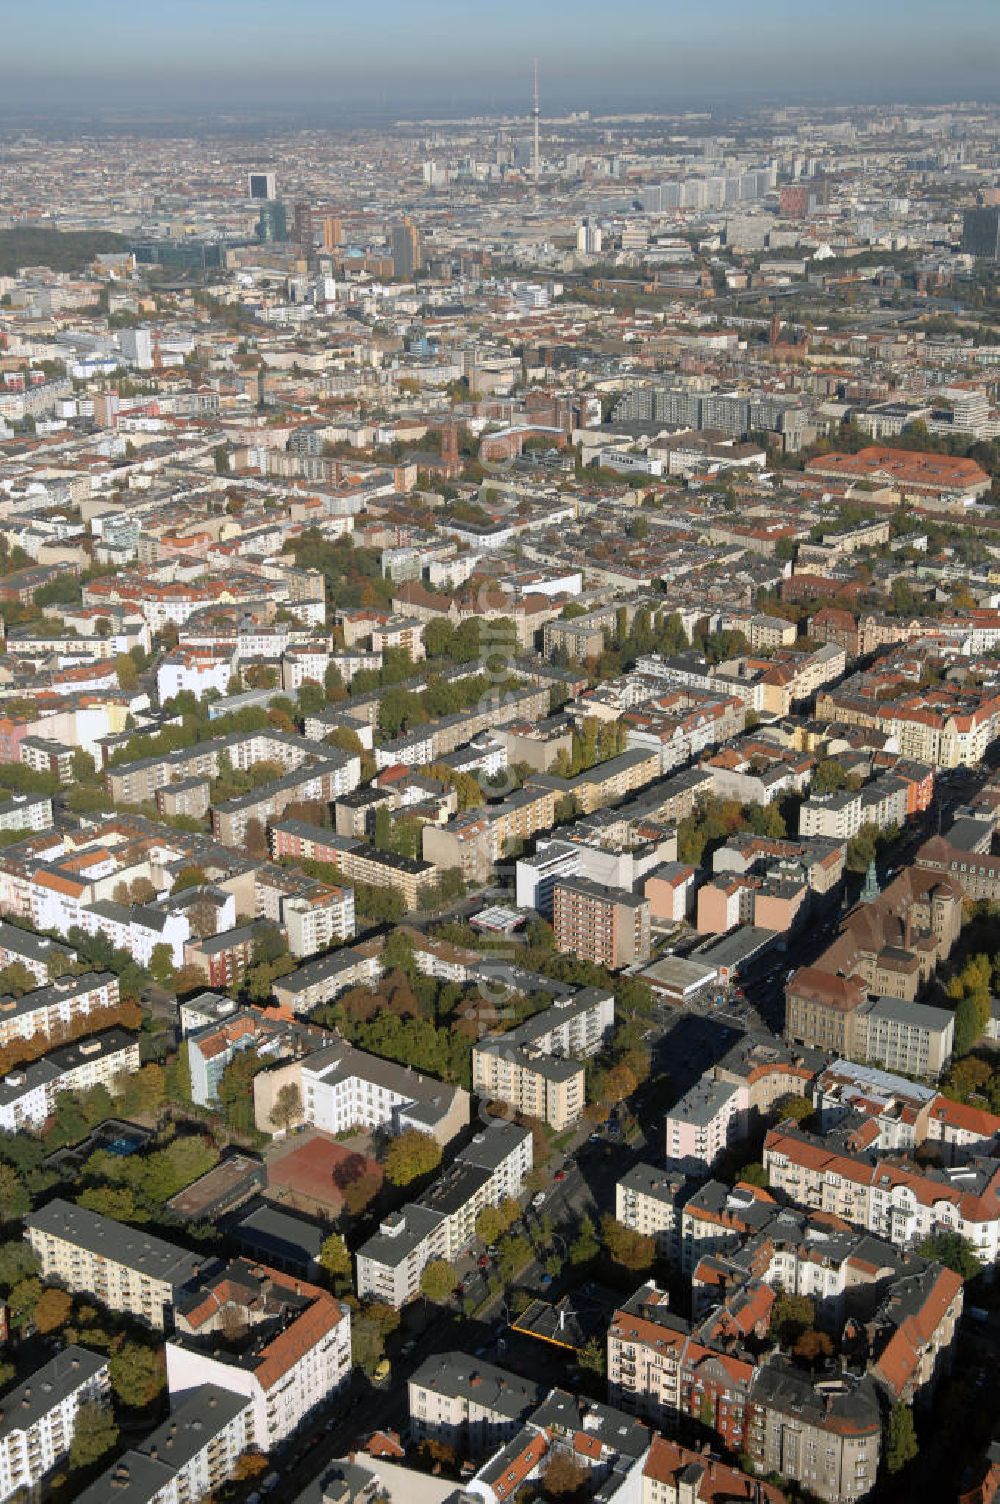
{"points": [[446, 57]]}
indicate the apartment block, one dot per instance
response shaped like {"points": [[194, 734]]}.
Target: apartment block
{"points": [[442, 1222], [537, 873], [675, 1474], [325, 977], [357, 861], [28, 1093], [534, 1084], [605, 925], [896, 1200], [824, 1435], [316, 922], [190, 1456], [648, 1200], [660, 1371], [342, 1087], [39, 1417], [464, 1403], [295, 1354], [126, 1269], [37, 953], [536, 1067], [910, 1037], [51, 1010], [700, 1126]]}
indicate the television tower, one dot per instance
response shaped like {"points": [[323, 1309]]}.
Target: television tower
{"points": [[535, 113]]}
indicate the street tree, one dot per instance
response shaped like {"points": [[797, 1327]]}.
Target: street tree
{"points": [[438, 1281]]}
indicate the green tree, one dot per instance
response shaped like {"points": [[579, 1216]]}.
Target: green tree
{"points": [[236, 1090], [145, 1091], [16, 980], [632, 1250], [335, 1257], [94, 1434], [115, 1201], [22, 1302], [513, 1253], [862, 849], [586, 1245], [14, 1198], [138, 1373], [411, 1155], [161, 965], [53, 1309], [438, 1281], [494, 1221], [17, 1262], [796, 1108], [367, 1343], [287, 1108], [791, 1315], [177, 1077], [128, 674], [382, 838], [593, 1357], [952, 1250], [189, 877], [901, 1443], [971, 1018], [312, 698]]}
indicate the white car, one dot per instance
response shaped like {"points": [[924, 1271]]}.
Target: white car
{"points": [[538, 1198]]}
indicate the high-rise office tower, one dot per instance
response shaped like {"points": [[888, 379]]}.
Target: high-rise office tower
{"points": [[273, 222], [262, 185], [332, 230], [407, 249], [302, 226], [981, 234]]}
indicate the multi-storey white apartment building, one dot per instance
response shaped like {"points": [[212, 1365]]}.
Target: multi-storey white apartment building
{"points": [[127, 1269], [50, 1010], [36, 1429], [901, 1203], [535, 1067], [342, 1087], [316, 922], [442, 1222], [648, 1201], [193, 1453], [28, 1093], [295, 1354], [468, 1404]]}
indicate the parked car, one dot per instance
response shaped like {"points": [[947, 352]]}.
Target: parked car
{"points": [[538, 1199]]}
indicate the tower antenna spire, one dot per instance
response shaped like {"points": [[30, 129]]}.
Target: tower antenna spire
{"points": [[535, 113]]}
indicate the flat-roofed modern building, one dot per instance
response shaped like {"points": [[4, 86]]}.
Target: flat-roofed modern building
{"points": [[126, 1268], [608, 926], [536, 1067], [39, 1417], [193, 1453], [442, 1223], [648, 1200]]}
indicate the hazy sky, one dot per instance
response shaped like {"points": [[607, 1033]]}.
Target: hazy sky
{"points": [[450, 53]]}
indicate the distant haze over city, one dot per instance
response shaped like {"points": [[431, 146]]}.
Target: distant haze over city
{"points": [[445, 57]]}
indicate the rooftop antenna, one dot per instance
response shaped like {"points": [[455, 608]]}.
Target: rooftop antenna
{"points": [[535, 112]]}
